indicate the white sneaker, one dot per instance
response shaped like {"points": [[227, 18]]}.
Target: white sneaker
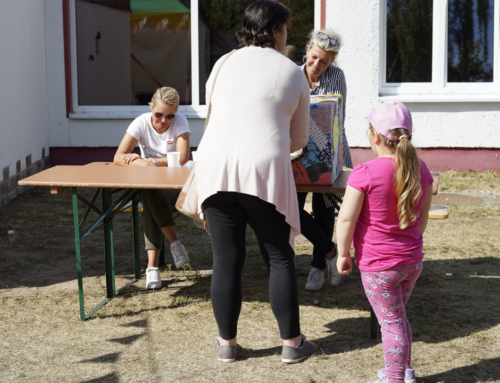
{"points": [[333, 273], [180, 255], [199, 225], [315, 280], [153, 279], [409, 375]]}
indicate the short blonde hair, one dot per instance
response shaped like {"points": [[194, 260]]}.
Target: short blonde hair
{"points": [[325, 44], [166, 95]]}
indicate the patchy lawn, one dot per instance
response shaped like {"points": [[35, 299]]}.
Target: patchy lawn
{"points": [[168, 335]]}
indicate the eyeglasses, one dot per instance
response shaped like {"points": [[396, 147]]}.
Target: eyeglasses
{"points": [[167, 116], [333, 41]]}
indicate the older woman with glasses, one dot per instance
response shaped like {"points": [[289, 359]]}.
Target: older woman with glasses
{"points": [[158, 132], [324, 77]]}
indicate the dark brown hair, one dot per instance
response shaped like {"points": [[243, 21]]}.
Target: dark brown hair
{"points": [[260, 20]]}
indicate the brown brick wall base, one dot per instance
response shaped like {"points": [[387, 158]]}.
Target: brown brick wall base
{"points": [[9, 188]]}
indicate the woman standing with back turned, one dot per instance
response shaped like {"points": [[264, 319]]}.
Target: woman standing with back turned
{"points": [[259, 115]]}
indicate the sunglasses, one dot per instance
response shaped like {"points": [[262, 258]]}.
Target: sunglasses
{"points": [[333, 41], [167, 116]]}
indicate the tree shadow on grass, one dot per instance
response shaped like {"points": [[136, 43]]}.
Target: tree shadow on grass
{"points": [[108, 358], [448, 302], [485, 371], [346, 335], [110, 378]]}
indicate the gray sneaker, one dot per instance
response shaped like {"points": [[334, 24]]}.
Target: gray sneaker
{"points": [[180, 255], [296, 354], [409, 375], [225, 354]]}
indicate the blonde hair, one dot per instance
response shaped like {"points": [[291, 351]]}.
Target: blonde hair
{"points": [[325, 44], [166, 95], [407, 175]]}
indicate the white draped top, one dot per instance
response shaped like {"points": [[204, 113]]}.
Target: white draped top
{"points": [[260, 114]]}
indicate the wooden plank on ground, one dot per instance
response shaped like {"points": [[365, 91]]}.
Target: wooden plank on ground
{"points": [[438, 212]]}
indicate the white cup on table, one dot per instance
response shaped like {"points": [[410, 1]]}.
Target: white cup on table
{"points": [[194, 155], [173, 159]]}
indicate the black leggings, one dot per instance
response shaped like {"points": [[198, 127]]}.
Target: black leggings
{"points": [[227, 216]]}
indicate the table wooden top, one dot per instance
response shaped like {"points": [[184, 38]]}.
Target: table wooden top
{"points": [[111, 176], [338, 186], [107, 175]]}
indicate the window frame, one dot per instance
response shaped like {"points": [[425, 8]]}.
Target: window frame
{"points": [[195, 110], [439, 90]]}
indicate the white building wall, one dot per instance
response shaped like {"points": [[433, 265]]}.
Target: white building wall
{"points": [[444, 125], [23, 83]]}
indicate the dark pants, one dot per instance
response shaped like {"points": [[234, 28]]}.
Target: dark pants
{"points": [[157, 211], [318, 229], [227, 215]]}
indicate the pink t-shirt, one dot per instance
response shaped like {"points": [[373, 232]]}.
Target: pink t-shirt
{"points": [[379, 243]]}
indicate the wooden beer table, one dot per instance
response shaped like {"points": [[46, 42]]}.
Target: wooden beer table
{"points": [[131, 184]]}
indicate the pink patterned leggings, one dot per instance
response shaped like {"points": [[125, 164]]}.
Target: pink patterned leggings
{"points": [[388, 291]]}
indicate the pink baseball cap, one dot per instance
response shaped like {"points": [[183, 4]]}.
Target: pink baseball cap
{"points": [[391, 115]]}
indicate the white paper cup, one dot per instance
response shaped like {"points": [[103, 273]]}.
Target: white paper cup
{"points": [[173, 159], [194, 155]]}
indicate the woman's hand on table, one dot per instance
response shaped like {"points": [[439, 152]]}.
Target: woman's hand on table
{"points": [[152, 162], [130, 157], [344, 264]]}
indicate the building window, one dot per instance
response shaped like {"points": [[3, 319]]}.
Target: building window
{"points": [[409, 41], [123, 50], [470, 40], [440, 50]]}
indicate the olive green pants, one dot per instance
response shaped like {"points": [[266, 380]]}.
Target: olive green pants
{"points": [[158, 211]]}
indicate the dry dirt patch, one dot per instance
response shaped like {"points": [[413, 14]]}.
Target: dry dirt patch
{"points": [[167, 335]]}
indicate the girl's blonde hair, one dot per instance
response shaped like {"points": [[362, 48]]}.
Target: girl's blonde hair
{"points": [[325, 44], [166, 95], [407, 175]]}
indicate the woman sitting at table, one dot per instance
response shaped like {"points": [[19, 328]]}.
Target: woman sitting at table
{"points": [[324, 78], [160, 131]]}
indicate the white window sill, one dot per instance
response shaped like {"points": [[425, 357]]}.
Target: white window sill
{"points": [[475, 97], [127, 115]]}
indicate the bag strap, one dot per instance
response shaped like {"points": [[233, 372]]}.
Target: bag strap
{"points": [[213, 85]]}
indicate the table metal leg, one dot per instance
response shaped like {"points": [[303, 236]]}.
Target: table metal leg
{"points": [[162, 252], [135, 227], [78, 253], [108, 245], [375, 327], [110, 209]]}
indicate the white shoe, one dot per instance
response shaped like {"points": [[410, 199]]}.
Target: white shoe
{"points": [[315, 280], [153, 279], [409, 375], [333, 273], [180, 255], [199, 225]]}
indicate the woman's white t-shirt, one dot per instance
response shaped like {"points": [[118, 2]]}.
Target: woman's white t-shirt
{"points": [[152, 143]]}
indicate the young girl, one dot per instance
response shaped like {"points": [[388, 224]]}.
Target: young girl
{"points": [[384, 214]]}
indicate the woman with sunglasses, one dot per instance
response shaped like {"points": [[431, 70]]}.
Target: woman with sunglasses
{"points": [[160, 131], [324, 77]]}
